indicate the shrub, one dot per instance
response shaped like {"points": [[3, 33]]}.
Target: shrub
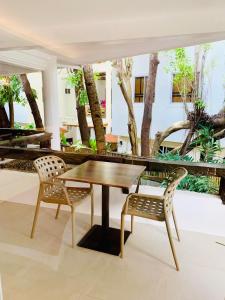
{"points": [[200, 184], [174, 156]]}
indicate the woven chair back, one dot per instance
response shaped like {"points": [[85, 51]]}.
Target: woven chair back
{"points": [[174, 179], [49, 167]]}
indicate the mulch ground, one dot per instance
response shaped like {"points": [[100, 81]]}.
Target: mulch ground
{"points": [[19, 165]]}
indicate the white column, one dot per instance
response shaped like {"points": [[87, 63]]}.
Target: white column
{"points": [[51, 103], [109, 97]]}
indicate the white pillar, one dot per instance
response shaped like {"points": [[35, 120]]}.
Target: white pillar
{"points": [[108, 96], [51, 103]]}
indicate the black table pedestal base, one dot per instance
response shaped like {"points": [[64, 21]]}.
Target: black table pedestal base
{"points": [[103, 240]]}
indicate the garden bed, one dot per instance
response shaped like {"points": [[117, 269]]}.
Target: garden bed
{"points": [[19, 165]]}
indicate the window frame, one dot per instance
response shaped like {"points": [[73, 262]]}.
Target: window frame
{"points": [[140, 95], [189, 99]]}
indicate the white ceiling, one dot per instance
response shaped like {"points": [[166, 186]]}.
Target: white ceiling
{"points": [[79, 31]]}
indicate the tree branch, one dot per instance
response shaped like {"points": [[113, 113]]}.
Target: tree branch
{"points": [[162, 135]]}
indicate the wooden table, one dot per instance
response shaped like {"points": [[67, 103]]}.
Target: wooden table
{"points": [[102, 237]]}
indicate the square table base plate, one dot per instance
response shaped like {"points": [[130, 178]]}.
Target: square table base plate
{"points": [[103, 240]]}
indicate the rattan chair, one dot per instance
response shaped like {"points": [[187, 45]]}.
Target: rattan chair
{"points": [[53, 190], [157, 208]]}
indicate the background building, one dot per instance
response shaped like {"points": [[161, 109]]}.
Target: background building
{"points": [[167, 109]]}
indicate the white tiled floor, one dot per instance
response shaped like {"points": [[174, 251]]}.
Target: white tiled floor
{"points": [[48, 268], [195, 212]]}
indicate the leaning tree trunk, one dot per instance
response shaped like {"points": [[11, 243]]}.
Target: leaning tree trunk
{"points": [[124, 74], [32, 101], [162, 135], [95, 108], [81, 113], [11, 113], [197, 114], [132, 128], [4, 120], [184, 147], [149, 99], [218, 135]]}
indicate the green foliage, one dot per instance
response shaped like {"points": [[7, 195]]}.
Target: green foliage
{"points": [[97, 75], [93, 145], [11, 90], [75, 79], [78, 145], [29, 126], [108, 147], [173, 156], [26, 126], [199, 104], [34, 92], [207, 144], [200, 184], [17, 125], [183, 70], [63, 140], [83, 97]]}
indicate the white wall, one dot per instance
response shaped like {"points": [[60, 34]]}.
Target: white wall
{"points": [[68, 113], [106, 67], [67, 102], [23, 113], [165, 112]]}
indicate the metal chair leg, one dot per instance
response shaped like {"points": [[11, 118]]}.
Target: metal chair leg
{"points": [[175, 223], [73, 225], [92, 207], [122, 235], [171, 244], [35, 217], [57, 212], [132, 224]]}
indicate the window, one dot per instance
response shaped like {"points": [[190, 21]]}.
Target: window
{"points": [[140, 89], [67, 91], [176, 96]]}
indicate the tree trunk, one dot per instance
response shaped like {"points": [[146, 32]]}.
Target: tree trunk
{"points": [[218, 135], [4, 120], [95, 108], [184, 147], [11, 113], [32, 101], [132, 131], [149, 99], [124, 74], [132, 127], [81, 114], [161, 136], [83, 125]]}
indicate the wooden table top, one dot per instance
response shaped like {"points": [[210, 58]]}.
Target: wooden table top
{"points": [[104, 173]]}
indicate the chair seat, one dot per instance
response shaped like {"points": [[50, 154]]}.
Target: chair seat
{"points": [[146, 206], [55, 194]]}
